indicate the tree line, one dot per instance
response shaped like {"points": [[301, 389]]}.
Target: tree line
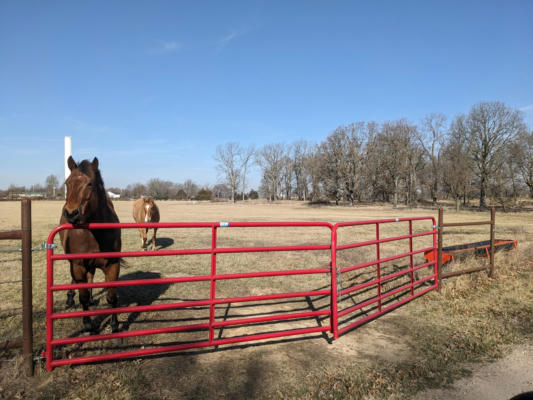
{"points": [[484, 154]]}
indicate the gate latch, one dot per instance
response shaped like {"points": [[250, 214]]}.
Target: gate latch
{"points": [[46, 246]]}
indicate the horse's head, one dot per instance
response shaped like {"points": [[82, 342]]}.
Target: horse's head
{"points": [[84, 188], [148, 204]]}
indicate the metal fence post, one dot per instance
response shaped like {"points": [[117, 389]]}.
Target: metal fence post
{"points": [[27, 308]]}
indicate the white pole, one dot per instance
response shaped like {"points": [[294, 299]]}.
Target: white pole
{"points": [[68, 153]]}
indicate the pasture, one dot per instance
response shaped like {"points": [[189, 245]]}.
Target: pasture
{"points": [[427, 340]]}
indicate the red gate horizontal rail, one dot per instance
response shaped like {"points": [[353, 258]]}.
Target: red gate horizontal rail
{"points": [[179, 279], [387, 259], [332, 291], [186, 304]]}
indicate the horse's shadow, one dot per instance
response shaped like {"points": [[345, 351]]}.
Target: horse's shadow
{"points": [[161, 243], [139, 295]]}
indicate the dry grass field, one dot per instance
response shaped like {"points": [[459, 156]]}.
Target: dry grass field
{"points": [[427, 341]]}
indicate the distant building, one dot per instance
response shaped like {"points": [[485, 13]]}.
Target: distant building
{"points": [[113, 195]]}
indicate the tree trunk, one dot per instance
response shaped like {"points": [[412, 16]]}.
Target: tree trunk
{"points": [[395, 201], [482, 192]]}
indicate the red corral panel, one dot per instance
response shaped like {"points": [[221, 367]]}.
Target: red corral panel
{"points": [[382, 271], [340, 287]]}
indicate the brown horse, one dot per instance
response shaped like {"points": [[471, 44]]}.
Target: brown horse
{"points": [[145, 210], [88, 202]]}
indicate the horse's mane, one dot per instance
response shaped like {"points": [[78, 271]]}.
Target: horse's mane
{"points": [[87, 168]]}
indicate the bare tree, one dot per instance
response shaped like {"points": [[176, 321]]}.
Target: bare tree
{"points": [[134, 191], [159, 189], [190, 188], [455, 169], [51, 183], [287, 174], [313, 167], [431, 137], [227, 157], [490, 127], [270, 160], [301, 153], [221, 191], [393, 145], [525, 159], [245, 157]]}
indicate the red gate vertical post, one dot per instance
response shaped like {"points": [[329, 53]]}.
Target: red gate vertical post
{"points": [[436, 269], [411, 265], [27, 306], [49, 302], [213, 282], [378, 267], [334, 317], [439, 246]]}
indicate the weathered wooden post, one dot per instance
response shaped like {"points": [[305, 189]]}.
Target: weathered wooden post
{"points": [[492, 226], [27, 306]]}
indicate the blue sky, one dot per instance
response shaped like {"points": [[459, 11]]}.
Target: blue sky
{"points": [[151, 88]]}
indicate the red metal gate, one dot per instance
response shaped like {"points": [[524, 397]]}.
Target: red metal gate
{"points": [[332, 291], [368, 292]]}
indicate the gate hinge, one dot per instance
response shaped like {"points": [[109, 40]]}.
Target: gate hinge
{"points": [[47, 246]]}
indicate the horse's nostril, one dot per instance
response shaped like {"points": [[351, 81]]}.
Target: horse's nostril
{"points": [[73, 216]]}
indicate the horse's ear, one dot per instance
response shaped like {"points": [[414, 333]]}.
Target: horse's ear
{"points": [[95, 163], [71, 163]]}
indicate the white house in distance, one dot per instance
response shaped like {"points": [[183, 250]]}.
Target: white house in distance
{"points": [[113, 195]]}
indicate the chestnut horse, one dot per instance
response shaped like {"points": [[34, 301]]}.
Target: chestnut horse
{"points": [[88, 202], [145, 210]]}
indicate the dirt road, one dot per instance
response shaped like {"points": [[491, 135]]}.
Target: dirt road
{"points": [[499, 380]]}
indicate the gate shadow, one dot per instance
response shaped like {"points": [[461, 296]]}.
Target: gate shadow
{"points": [[139, 295]]}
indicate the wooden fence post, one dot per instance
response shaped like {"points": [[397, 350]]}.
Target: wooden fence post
{"points": [[27, 307], [492, 226]]}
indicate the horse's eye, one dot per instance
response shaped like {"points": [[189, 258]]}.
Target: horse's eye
{"points": [[90, 184]]}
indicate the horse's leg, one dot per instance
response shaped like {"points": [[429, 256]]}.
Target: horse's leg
{"points": [[143, 232], [90, 277], [71, 293], [70, 296], [153, 239], [145, 238], [79, 275], [111, 274]]}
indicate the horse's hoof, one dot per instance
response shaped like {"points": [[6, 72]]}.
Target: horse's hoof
{"points": [[114, 328], [88, 325], [94, 302], [70, 302]]}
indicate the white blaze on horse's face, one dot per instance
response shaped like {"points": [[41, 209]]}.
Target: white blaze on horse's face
{"points": [[147, 216]]}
